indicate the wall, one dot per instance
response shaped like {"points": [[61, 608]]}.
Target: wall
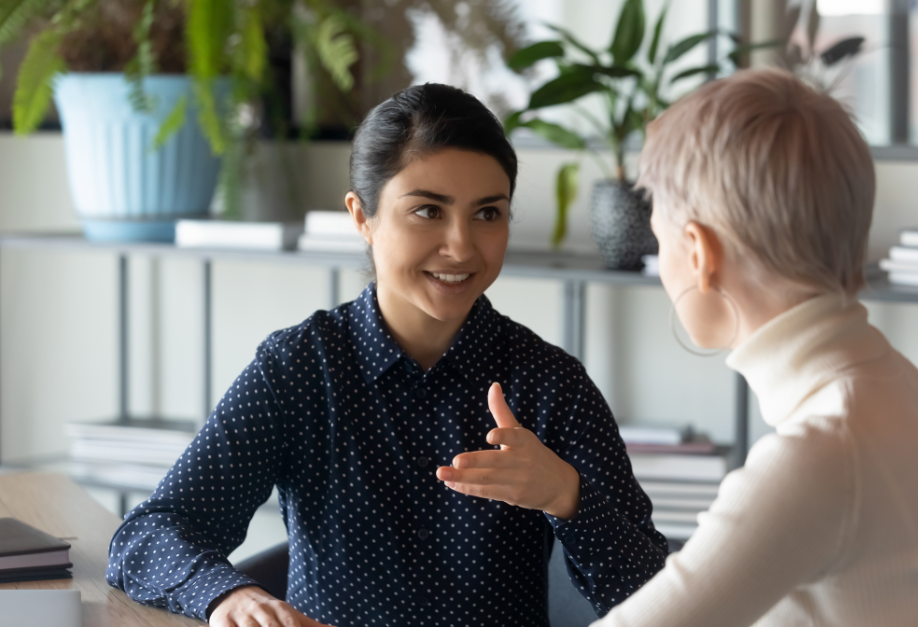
{"points": [[58, 310]]}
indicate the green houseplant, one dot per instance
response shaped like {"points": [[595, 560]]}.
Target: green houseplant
{"points": [[179, 74], [633, 90]]}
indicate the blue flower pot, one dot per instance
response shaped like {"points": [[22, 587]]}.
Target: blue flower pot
{"points": [[123, 189]]}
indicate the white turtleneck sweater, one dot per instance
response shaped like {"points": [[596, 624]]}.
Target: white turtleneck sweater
{"points": [[820, 527]]}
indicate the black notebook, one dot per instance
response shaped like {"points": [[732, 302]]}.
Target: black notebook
{"points": [[27, 553]]}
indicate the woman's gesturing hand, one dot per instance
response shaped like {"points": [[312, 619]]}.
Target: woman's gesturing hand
{"points": [[253, 607], [523, 472]]}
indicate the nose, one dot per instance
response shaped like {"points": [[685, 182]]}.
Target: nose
{"points": [[457, 244]]}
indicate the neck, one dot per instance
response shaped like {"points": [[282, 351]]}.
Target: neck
{"points": [[423, 337], [760, 301]]}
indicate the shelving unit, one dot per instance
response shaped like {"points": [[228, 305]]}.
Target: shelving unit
{"points": [[575, 272]]}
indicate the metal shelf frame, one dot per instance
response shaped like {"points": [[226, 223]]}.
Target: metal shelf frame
{"points": [[574, 271]]}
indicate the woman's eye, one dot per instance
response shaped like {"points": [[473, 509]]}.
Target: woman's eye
{"points": [[488, 214], [429, 211]]}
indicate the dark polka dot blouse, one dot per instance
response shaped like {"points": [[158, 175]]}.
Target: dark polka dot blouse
{"points": [[351, 431]]}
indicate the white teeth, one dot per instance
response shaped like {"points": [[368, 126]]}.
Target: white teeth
{"points": [[450, 278]]}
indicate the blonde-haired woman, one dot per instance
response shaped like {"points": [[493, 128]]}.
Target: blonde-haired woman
{"points": [[763, 192]]}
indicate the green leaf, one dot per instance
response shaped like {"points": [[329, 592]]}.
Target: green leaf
{"points": [[713, 68], [657, 32], [34, 87], [143, 64], [565, 192], [612, 71], [15, 15], [512, 122], [528, 56], [569, 38], [210, 25], [253, 49], [677, 50], [172, 124], [566, 88], [337, 51], [737, 54], [555, 133], [629, 33]]}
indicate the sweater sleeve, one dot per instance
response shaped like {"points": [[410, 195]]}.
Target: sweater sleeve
{"points": [[611, 547], [171, 550], [777, 523]]}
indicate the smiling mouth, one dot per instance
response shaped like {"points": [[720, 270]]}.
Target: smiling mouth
{"points": [[450, 278]]}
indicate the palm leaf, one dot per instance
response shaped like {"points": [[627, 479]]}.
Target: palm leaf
{"points": [[629, 32], [569, 38], [34, 87], [657, 32], [713, 68], [253, 49], [555, 133], [677, 50], [528, 56], [570, 86], [210, 24]]}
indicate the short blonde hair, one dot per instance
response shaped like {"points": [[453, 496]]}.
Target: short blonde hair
{"points": [[777, 169]]}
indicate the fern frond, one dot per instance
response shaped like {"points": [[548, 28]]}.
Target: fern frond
{"points": [[252, 53], [210, 25], [337, 50], [34, 87], [172, 124], [143, 64], [15, 15]]}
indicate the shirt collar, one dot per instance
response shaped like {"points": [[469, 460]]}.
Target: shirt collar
{"points": [[797, 353], [377, 350]]}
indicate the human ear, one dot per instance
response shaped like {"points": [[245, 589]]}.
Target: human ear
{"points": [[361, 221], [705, 255]]}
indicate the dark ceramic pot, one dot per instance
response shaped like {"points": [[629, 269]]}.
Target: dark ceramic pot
{"points": [[620, 225]]}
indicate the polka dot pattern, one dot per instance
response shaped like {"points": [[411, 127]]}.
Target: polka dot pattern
{"points": [[351, 431]]}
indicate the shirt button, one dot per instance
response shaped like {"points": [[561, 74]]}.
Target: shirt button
{"points": [[423, 534], [423, 461], [420, 392]]}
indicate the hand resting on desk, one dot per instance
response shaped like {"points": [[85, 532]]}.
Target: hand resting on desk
{"points": [[253, 607], [525, 472]]}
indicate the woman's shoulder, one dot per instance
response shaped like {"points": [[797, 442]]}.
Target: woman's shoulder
{"points": [[530, 352], [320, 331]]}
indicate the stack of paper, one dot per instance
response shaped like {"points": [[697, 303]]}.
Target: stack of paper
{"points": [[902, 264], [129, 451], [680, 471], [237, 234], [331, 231]]}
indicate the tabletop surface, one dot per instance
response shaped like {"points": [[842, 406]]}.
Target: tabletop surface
{"points": [[57, 505]]}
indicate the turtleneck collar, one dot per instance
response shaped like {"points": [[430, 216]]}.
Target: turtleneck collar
{"points": [[800, 351]]}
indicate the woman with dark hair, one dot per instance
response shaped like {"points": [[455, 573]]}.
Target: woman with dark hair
{"points": [[374, 420]]}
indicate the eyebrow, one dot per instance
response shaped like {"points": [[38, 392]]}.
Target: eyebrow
{"points": [[449, 200]]}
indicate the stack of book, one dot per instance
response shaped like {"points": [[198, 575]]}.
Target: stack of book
{"points": [[237, 234], [679, 470], [133, 452], [902, 264], [331, 231], [29, 554]]}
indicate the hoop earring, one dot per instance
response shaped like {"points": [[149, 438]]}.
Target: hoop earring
{"points": [[673, 316]]}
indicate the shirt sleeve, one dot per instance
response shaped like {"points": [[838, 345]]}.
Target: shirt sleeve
{"points": [[611, 547], [777, 523], [171, 550]]}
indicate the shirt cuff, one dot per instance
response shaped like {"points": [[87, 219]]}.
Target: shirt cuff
{"points": [[586, 536], [215, 580]]}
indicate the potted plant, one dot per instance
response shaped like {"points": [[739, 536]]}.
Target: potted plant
{"points": [[153, 93], [632, 92]]}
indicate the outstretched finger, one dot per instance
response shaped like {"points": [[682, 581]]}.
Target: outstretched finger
{"points": [[481, 459], [499, 408], [508, 437]]}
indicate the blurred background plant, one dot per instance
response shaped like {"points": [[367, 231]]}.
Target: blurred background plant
{"points": [[633, 90], [824, 68], [249, 43]]}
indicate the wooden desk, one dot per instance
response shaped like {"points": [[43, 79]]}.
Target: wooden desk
{"points": [[55, 504]]}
